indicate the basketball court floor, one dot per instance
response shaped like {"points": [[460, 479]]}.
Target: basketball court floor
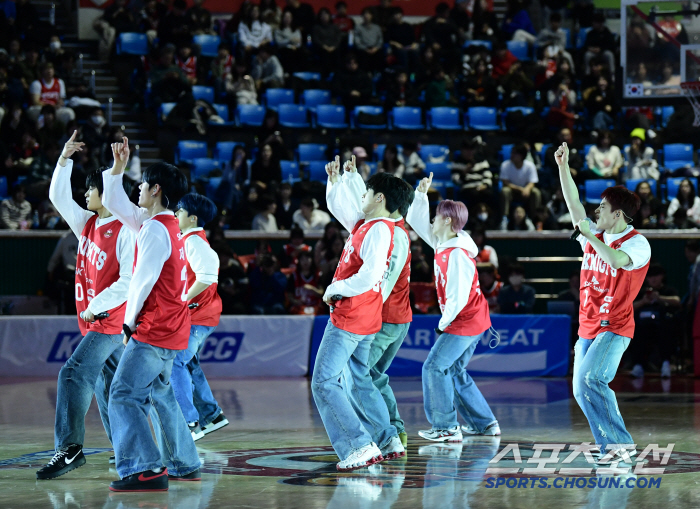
{"points": [[275, 453]]}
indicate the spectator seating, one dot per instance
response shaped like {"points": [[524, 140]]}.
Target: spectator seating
{"points": [[662, 115], [223, 151], [678, 155], [273, 97], [632, 184], [486, 44], [202, 167], [568, 37], [594, 188], [4, 192], [189, 150], [519, 49], [222, 111], [212, 186], [293, 115], [434, 151], [163, 110], [441, 171], [482, 118], [581, 37], [203, 93], [673, 184], [314, 97], [250, 114], [406, 117], [307, 152], [379, 151], [132, 43], [308, 76], [208, 44], [329, 116], [290, 171], [371, 110], [316, 170], [444, 118], [525, 110], [505, 151]]}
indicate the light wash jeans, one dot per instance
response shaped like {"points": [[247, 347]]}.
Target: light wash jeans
{"points": [[141, 386], [344, 426], [445, 379], [188, 378], [88, 371], [595, 364]]}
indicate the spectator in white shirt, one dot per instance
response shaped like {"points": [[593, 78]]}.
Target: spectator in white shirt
{"points": [[16, 211], [309, 217], [604, 159], [252, 33], [265, 220], [687, 200], [519, 178], [49, 90]]}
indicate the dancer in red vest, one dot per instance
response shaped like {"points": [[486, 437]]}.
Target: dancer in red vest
{"points": [[465, 319], [156, 326], [615, 262], [102, 275], [355, 297], [198, 405]]}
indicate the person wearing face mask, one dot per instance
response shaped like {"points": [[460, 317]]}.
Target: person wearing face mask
{"points": [[55, 52], [516, 298], [95, 131]]}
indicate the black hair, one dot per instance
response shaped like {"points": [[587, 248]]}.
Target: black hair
{"points": [[296, 232], [390, 187], [94, 179], [18, 188], [48, 108], [266, 48], [488, 268], [407, 195], [171, 180], [656, 269], [321, 11], [442, 8], [693, 245], [397, 10], [468, 144], [520, 149], [516, 268], [555, 16], [341, 4], [370, 10], [307, 202], [598, 17], [223, 45], [198, 205]]}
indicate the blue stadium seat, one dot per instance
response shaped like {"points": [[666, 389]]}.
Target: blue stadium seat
{"points": [[444, 118], [673, 184], [371, 110], [372, 167], [594, 188], [202, 167], [203, 93], [633, 183], [441, 186], [581, 37], [543, 150], [441, 171], [222, 111], [316, 170], [379, 151], [312, 152], [223, 151], [406, 117], [308, 76], [330, 116], [482, 118], [568, 37], [4, 192], [663, 115], [290, 171], [434, 151], [678, 155], [163, 110], [188, 150], [314, 97], [525, 110], [519, 49], [250, 114], [208, 44], [293, 115], [273, 97], [485, 44], [132, 43], [212, 186], [505, 151]]}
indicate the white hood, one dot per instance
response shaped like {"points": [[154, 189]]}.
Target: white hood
{"points": [[462, 240]]}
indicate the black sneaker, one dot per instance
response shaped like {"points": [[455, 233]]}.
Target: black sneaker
{"points": [[143, 481], [62, 462], [196, 431], [112, 460], [192, 476], [217, 423]]}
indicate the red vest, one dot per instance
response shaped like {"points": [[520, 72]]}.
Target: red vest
{"points": [[189, 66], [474, 318], [607, 294], [310, 301], [52, 94], [397, 307], [361, 314], [97, 268], [164, 320], [491, 296], [227, 65], [209, 309]]}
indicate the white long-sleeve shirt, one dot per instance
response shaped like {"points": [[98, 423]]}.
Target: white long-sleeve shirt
{"points": [[153, 241], [61, 196], [460, 271], [255, 35], [693, 212], [375, 245], [203, 260]]}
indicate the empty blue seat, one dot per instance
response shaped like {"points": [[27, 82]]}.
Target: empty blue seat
{"points": [[212, 186], [330, 116], [434, 151], [441, 171], [581, 37], [673, 184], [290, 171], [313, 97], [482, 118], [370, 110], [444, 118], [505, 151], [678, 155], [132, 43], [308, 76], [293, 115], [441, 186], [568, 37], [188, 150], [406, 117], [484, 44], [4, 192], [208, 44], [595, 188], [250, 114], [519, 49], [222, 111], [316, 170], [633, 183], [202, 166], [223, 151], [273, 97], [312, 152], [163, 110], [203, 93], [664, 114]]}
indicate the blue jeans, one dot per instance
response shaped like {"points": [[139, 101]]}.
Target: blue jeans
{"points": [[445, 379], [595, 364], [346, 431], [188, 377], [141, 386], [88, 371]]}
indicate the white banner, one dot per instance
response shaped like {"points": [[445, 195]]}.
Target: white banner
{"points": [[239, 346]]}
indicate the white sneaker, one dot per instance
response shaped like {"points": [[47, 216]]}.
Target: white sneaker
{"points": [[195, 430], [492, 429], [666, 370], [394, 449], [442, 435], [445, 450], [363, 457], [637, 371]]}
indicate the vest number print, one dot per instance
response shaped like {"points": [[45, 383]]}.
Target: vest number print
{"points": [[604, 307], [348, 250], [183, 277]]}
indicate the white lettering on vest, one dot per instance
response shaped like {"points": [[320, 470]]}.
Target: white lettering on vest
{"points": [[92, 252]]}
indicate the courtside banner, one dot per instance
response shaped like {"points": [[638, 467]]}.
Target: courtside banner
{"points": [[239, 346], [530, 345]]}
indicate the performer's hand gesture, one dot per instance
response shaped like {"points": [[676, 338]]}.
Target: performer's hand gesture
{"points": [[72, 146], [584, 227], [350, 166], [333, 170], [561, 156], [425, 184], [120, 151]]}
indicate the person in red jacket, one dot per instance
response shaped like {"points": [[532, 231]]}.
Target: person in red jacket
{"points": [[156, 326], [502, 60], [198, 405], [465, 320]]}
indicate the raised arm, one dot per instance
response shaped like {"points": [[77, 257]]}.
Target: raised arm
{"points": [[568, 186], [344, 210], [114, 197], [60, 192], [354, 183], [419, 213]]}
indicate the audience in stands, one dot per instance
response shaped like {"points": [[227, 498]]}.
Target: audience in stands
{"points": [[516, 298], [16, 211], [604, 159], [309, 216]]}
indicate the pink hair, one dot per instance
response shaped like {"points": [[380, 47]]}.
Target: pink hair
{"points": [[455, 210]]}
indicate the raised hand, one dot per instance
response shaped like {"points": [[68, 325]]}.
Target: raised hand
{"points": [[120, 152], [72, 146], [350, 166], [333, 170], [561, 156], [425, 184]]}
